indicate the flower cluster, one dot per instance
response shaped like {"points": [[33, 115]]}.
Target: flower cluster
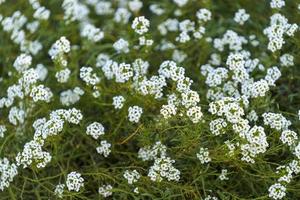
{"points": [[95, 130], [241, 16], [74, 181], [140, 25], [59, 49], [105, 190], [203, 155], [134, 114], [7, 172], [163, 165], [104, 148], [118, 102], [131, 176], [279, 26]]}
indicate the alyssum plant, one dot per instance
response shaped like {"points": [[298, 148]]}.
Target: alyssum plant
{"points": [[132, 99]]}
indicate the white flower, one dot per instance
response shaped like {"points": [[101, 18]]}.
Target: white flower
{"points": [[223, 175], [181, 3], [74, 181], [168, 110], [195, 114], [203, 155], [131, 176], [288, 137], [118, 102], [58, 49], [203, 15], [92, 33], [63, 76], [140, 25], [277, 3], [163, 168], [95, 129], [41, 93], [104, 148], [287, 60], [59, 190], [87, 75], [7, 173], [22, 62], [134, 113], [105, 190], [121, 46], [2, 130], [135, 5], [277, 191], [241, 16]]}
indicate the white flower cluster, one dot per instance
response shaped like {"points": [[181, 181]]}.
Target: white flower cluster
{"points": [[87, 75], [287, 60], [277, 3], [288, 137], [217, 126], [2, 130], [122, 15], [7, 173], [223, 82], [74, 181], [277, 191], [203, 15], [74, 10], [140, 25], [257, 144], [279, 27], [232, 39], [59, 190], [223, 175], [121, 46], [95, 130], [118, 102], [254, 140], [32, 152], [22, 62], [104, 148], [187, 99], [135, 5], [92, 33], [63, 75], [131, 176], [203, 155], [16, 116], [41, 13], [41, 93], [105, 190], [58, 49], [134, 113], [241, 16], [13, 25], [70, 97], [163, 168], [181, 3], [163, 165], [276, 121], [209, 197]]}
